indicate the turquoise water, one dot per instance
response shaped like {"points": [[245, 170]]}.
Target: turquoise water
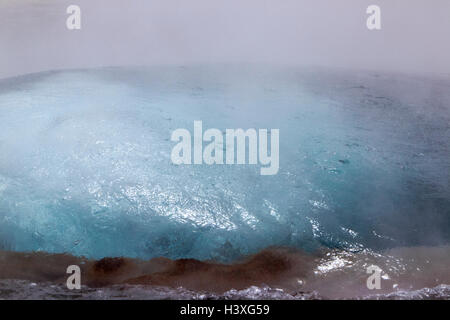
{"points": [[85, 162]]}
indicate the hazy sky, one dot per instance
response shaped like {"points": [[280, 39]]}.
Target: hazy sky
{"points": [[415, 34]]}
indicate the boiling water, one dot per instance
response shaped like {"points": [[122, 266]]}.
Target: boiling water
{"points": [[85, 162]]}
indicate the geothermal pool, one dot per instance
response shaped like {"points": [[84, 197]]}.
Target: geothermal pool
{"points": [[85, 162]]}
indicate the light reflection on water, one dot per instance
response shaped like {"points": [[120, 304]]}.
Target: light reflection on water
{"points": [[85, 162]]}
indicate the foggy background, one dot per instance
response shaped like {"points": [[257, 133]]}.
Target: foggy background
{"points": [[415, 34]]}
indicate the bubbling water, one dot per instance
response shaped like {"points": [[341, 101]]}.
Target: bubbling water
{"points": [[85, 162]]}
